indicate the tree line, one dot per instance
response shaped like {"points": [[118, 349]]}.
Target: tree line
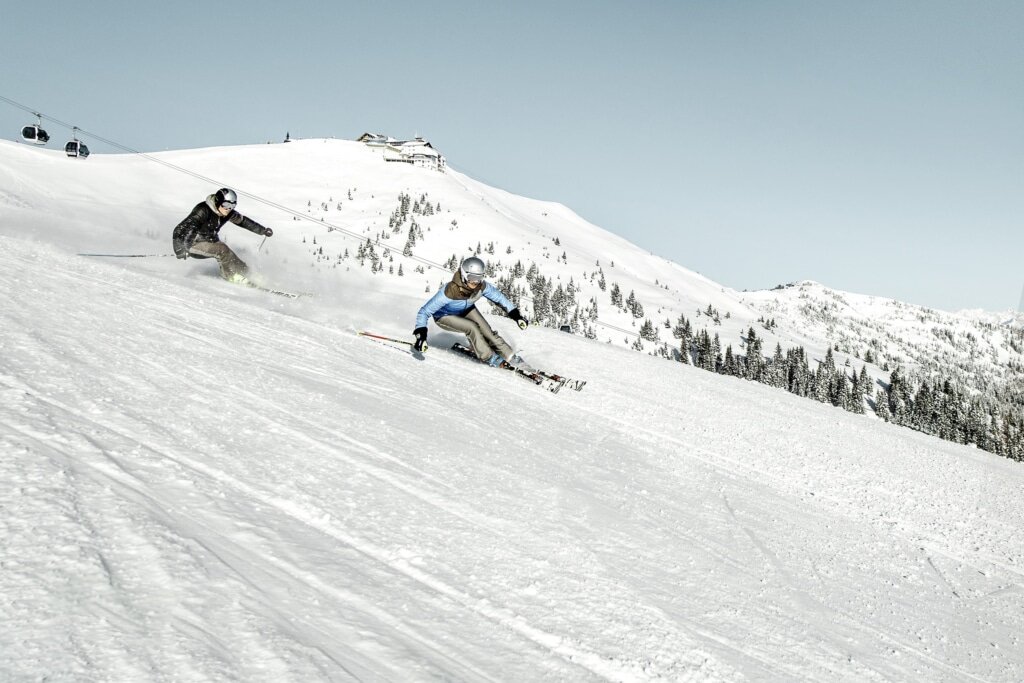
{"points": [[941, 407]]}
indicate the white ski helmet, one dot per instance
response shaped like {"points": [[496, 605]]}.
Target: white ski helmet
{"points": [[226, 197], [473, 270]]}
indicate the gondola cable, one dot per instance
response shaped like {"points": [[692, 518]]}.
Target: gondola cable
{"points": [[267, 202]]}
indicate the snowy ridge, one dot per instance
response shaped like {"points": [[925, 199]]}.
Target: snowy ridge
{"points": [[209, 483], [913, 335]]}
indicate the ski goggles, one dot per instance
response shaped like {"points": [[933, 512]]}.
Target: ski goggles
{"points": [[227, 205], [474, 277]]}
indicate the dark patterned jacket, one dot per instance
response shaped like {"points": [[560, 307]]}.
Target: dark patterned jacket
{"points": [[203, 224]]}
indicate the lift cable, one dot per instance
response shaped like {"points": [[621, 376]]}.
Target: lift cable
{"points": [[330, 227]]}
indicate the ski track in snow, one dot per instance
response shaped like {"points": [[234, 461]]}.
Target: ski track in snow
{"points": [[207, 485], [114, 471]]}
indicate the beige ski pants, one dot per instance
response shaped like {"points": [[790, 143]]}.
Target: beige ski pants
{"points": [[482, 338], [230, 264]]}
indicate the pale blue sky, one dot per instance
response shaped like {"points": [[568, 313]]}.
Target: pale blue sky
{"points": [[877, 147]]}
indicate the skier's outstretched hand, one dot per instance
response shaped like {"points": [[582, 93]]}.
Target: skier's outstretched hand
{"points": [[518, 317], [420, 333], [268, 233]]}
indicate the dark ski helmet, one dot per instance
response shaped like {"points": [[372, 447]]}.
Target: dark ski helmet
{"points": [[473, 270], [226, 198]]}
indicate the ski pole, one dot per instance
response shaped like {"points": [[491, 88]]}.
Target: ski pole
{"points": [[124, 255], [417, 353], [390, 339]]}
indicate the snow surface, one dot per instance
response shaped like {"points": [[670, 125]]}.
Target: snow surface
{"points": [[207, 482]]}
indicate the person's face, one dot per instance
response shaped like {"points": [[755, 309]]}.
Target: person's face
{"points": [[473, 284], [225, 208]]}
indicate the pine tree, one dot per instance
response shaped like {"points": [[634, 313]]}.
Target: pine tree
{"points": [[684, 350], [856, 395], [754, 369], [899, 397], [616, 295], [830, 361], [729, 366], [705, 360], [921, 417], [634, 306], [822, 382], [882, 404], [648, 331], [841, 391]]}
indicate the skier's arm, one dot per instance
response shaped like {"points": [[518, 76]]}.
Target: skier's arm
{"points": [[494, 294], [435, 304], [249, 224]]}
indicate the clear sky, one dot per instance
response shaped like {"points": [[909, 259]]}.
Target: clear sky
{"points": [[874, 146]]}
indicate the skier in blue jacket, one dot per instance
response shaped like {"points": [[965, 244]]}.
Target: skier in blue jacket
{"points": [[454, 309]]}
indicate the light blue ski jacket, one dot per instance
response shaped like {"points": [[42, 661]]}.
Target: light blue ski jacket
{"points": [[440, 305]]}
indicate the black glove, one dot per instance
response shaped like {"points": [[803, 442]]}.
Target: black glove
{"points": [[179, 250], [267, 232], [421, 339], [518, 317]]}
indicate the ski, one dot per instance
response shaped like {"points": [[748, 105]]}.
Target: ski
{"points": [[574, 384], [279, 292], [552, 382], [270, 290]]}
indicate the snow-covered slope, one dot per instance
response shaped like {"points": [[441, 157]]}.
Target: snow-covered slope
{"points": [[211, 483], [355, 193]]}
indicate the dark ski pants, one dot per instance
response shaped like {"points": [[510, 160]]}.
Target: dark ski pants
{"points": [[482, 338], [230, 264]]}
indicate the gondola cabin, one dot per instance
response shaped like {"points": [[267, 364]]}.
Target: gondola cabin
{"points": [[76, 148], [35, 134]]}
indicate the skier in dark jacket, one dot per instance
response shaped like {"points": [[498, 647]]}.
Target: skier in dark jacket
{"points": [[454, 309], [197, 235]]}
